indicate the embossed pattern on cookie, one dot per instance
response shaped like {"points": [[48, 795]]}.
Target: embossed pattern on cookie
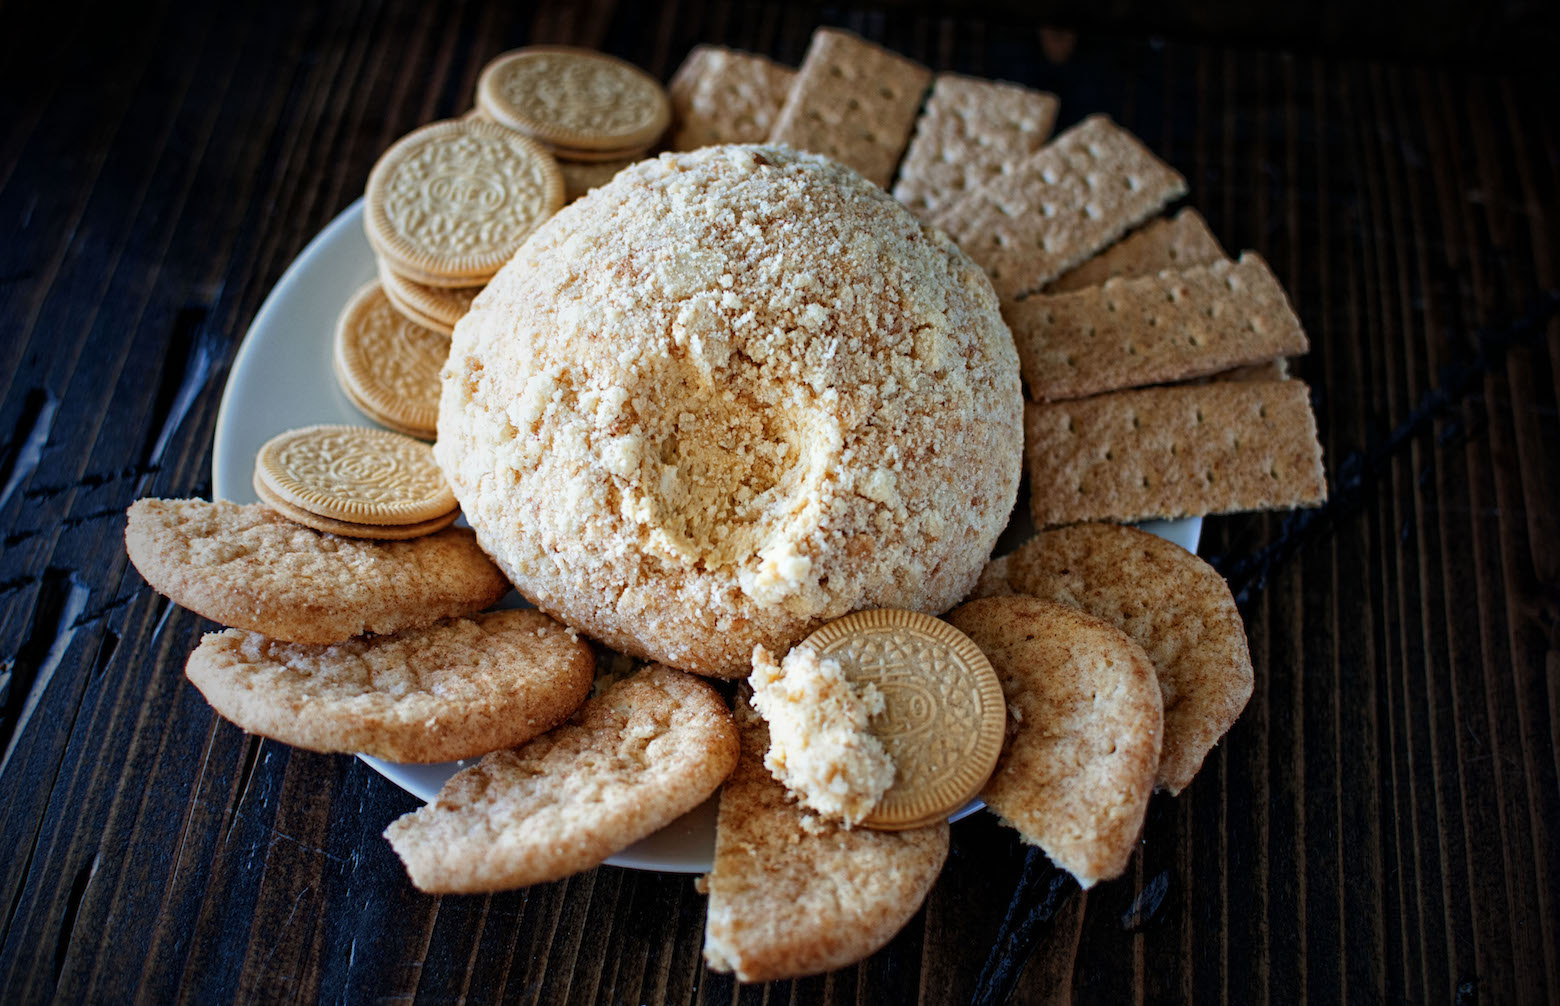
{"points": [[944, 713], [574, 98], [355, 474], [455, 199], [388, 364]]}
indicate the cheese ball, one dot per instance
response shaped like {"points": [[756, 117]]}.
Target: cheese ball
{"points": [[729, 396]]}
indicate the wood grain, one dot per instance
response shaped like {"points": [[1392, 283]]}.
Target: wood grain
{"points": [[1383, 824]]}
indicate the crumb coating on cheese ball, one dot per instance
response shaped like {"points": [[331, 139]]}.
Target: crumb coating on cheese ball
{"points": [[727, 397]]}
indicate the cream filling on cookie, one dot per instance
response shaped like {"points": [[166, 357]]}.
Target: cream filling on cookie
{"points": [[821, 746]]}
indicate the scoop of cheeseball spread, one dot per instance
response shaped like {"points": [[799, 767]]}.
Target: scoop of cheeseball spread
{"points": [[727, 397]]}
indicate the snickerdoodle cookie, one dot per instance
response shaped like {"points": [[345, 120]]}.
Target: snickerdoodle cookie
{"points": [[727, 397], [1174, 605], [631, 761], [791, 895], [1084, 724], [252, 568], [457, 689]]}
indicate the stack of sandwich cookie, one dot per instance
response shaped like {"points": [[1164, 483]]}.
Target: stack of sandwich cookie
{"points": [[355, 482], [579, 176], [585, 106], [434, 307], [448, 204], [388, 364], [596, 114]]}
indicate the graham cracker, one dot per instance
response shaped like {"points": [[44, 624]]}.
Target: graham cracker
{"points": [[1070, 199], [729, 96], [1179, 451], [1153, 329], [853, 101], [970, 131], [1178, 242], [683, 81]]}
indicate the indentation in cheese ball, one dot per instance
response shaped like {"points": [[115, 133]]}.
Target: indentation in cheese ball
{"points": [[727, 397], [821, 746]]}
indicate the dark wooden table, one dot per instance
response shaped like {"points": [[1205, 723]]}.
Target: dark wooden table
{"points": [[1382, 825]]}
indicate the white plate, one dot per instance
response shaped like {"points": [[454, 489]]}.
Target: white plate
{"points": [[282, 378]]}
